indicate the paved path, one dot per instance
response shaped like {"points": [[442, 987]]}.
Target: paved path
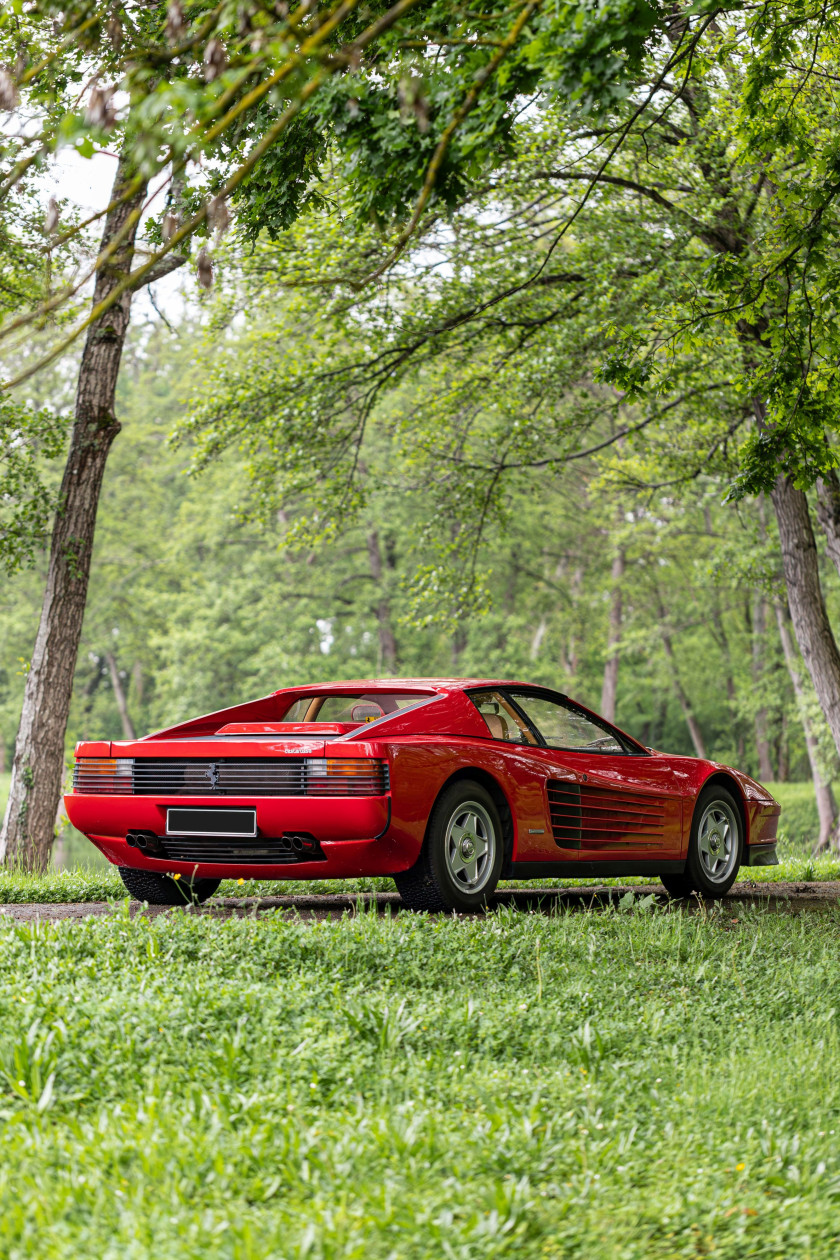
{"points": [[785, 898]]}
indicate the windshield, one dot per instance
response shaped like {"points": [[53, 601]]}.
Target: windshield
{"points": [[353, 709]]}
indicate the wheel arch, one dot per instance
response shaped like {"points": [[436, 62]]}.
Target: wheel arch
{"points": [[722, 779], [476, 775]]}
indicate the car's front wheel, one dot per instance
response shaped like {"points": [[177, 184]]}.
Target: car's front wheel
{"points": [[715, 847], [163, 890], [461, 858]]}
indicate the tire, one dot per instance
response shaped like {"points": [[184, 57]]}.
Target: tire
{"points": [[163, 890], [715, 847], [459, 864]]}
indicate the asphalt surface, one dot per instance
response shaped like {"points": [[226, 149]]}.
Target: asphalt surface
{"points": [[788, 898]]}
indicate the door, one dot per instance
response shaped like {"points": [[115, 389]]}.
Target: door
{"points": [[606, 799]]}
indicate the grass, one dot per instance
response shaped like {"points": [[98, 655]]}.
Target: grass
{"points": [[635, 1085], [94, 884]]}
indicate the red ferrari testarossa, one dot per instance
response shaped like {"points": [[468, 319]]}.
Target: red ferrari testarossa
{"points": [[445, 784]]}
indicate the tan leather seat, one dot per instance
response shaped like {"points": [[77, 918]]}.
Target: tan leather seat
{"points": [[497, 726]]}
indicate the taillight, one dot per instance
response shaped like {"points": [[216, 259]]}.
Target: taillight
{"points": [[101, 775], [346, 776]]}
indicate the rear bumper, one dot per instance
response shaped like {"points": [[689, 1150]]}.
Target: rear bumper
{"points": [[354, 834]]}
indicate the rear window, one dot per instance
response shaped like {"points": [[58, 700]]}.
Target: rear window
{"points": [[358, 708]]}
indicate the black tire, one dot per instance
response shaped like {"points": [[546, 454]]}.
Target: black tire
{"points": [[163, 890], [433, 883], [717, 821]]}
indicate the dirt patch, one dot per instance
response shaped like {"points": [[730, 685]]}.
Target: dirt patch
{"points": [[787, 898]]}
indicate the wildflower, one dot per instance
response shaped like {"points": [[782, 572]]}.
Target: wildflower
{"points": [[176, 876], [740, 1167]]}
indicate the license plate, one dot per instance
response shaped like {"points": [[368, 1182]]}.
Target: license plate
{"points": [[211, 822]]}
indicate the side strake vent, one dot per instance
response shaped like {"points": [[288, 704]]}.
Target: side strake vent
{"points": [[231, 776], [584, 817]]}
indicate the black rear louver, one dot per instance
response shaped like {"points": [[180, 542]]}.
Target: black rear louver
{"points": [[584, 816]]}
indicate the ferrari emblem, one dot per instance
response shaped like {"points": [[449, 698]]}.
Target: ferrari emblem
{"points": [[212, 773]]}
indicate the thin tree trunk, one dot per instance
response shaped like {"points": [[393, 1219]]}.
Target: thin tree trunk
{"points": [[826, 804], [609, 690], [679, 691], [119, 696], [538, 636], [382, 609], [759, 631], [783, 752], [719, 632], [459, 642], [569, 654], [37, 770], [137, 679], [805, 599]]}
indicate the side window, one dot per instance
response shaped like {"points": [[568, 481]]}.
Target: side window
{"points": [[563, 727], [503, 722]]}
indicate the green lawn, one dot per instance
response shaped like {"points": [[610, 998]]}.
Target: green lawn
{"points": [[636, 1085]]}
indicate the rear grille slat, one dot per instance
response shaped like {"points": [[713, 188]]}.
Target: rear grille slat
{"points": [[587, 816], [245, 852], [269, 776]]}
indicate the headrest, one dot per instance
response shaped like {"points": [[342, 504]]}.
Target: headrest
{"points": [[366, 711]]}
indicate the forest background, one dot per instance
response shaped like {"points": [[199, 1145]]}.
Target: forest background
{"points": [[521, 383]]}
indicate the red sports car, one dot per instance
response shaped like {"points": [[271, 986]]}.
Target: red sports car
{"points": [[446, 784]]}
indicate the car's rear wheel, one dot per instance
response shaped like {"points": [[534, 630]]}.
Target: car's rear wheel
{"points": [[715, 847], [163, 890], [461, 858]]}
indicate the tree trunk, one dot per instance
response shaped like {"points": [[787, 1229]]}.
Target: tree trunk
{"points": [[679, 691], [459, 642], [609, 690], [569, 651], [759, 631], [782, 752], [382, 609], [38, 766], [828, 514], [805, 599], [538, 636], [137, 679], [826, 805], [719, 632], [119, 696]]}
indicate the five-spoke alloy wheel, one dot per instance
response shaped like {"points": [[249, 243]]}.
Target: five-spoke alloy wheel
{"points": [[715, 847], [470, 846], [461, 858]]}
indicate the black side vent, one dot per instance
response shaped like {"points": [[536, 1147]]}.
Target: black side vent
{"points": [[564, 806], [591, 817]]}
